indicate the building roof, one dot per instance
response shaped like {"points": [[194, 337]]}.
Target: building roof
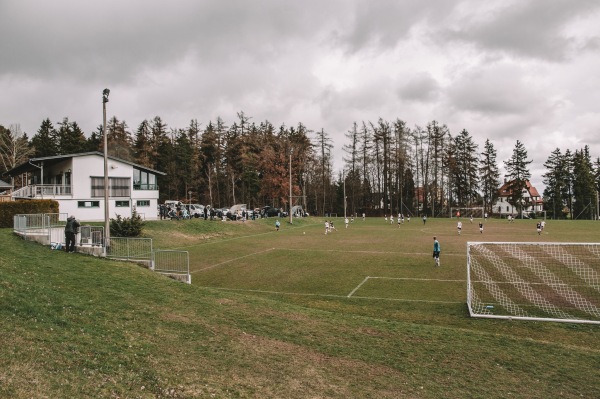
{"points": [[506, 191], [4, 185], [29, 165]]}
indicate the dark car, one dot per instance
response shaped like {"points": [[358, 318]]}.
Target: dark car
{"points": [[269, 211]]}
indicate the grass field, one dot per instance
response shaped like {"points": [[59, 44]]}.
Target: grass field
{"points": [[361, 312]]}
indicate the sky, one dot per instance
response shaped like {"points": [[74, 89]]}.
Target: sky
{"points": [[504, 70]]}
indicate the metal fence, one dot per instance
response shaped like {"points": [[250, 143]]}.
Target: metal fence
{"points": [[174, 263], [50, 227], [33, 226], [91, 236], [129, 248]]}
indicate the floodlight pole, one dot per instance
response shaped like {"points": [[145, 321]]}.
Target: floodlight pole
{"points": [[291, 217], [344, 180], [105, 94]]}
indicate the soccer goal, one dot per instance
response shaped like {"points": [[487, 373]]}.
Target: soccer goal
{"points": [[534, 281], [476, 212]]}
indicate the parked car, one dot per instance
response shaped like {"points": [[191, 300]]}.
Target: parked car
{"points": [[195, 210], [269, 211]]}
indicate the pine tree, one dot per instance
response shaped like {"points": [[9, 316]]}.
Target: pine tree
{"points": [[142, 144], [71, 139], [584, 193], [518, 174], [489, 174], [555, 180], [465, 168], [45, 141]]}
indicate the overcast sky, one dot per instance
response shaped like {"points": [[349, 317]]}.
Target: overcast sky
{"points": [[505, 70]]}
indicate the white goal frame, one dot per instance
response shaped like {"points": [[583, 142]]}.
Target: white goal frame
{"points": [[468, 211], [538, 281]]}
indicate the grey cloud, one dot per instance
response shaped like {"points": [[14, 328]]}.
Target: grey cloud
{"points": [[420, 87], [531, 29]]}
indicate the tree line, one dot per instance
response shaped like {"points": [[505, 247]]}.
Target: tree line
{"points": [[388, 167]]}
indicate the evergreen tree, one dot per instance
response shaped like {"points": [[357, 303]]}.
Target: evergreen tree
{"points": [[555, 180], [120, 143], [465, 169], [142, 144], [518, 174], [95, 142], [209, 153], [71, 139], [45, 141], [584, 190], [489, 174]]}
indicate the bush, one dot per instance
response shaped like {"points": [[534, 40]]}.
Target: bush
{"points": [[24, 207], [127, 227]]}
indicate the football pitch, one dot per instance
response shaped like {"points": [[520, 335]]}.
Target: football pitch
{"points": [[373, 267]]}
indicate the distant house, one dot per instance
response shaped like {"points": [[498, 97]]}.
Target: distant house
{"points": [[533, 200], [76, 181]]}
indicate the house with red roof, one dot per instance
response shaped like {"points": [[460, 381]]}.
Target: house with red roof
{"points": [[533, 200]]}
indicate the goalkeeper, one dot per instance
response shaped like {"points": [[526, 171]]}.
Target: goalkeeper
{"points": [[436, 251]]}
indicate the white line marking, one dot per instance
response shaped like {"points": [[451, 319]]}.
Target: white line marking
{"points": [[419, 279], [231, 260], [330, 295], [358, 286]]}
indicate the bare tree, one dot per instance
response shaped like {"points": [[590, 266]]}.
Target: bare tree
{"points": [[14, 147]]}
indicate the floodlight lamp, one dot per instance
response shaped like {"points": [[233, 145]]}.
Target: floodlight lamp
{"points": [[105, 94]]}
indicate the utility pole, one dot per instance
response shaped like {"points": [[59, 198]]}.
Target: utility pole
{"points": [[105, 94], [291, 217]]}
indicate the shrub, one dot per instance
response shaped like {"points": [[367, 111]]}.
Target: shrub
{"points": [[127, 227], [11, 208]]}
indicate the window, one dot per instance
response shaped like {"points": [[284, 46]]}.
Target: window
{"points": [[88, 204], [143, 180], [507, 209], [121, 204], [143, 203], [117, 186]]}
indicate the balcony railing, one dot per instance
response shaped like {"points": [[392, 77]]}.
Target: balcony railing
{"points": [[42, 190], [139, 186]]}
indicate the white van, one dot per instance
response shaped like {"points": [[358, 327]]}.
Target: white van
{"points": [[195, 210]]}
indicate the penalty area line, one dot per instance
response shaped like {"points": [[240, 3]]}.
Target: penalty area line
{"points": [[358, 286], [232, 260], [329, 295]]}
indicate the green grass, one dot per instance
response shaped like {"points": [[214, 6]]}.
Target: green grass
{"points": [[268, 315]]}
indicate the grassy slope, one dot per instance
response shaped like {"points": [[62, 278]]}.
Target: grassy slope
{"points": [[77, 326]]}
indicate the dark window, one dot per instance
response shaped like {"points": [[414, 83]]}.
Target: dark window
{"points": [[117, 186], [121, 204], [143, 203], [88, 204]]}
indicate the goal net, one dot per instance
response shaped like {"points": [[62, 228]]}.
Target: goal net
{"points": [[534, 281], [476, 212]]}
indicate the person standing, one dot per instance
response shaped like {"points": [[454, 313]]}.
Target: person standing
{"points": [[424, 219], [539, 228], [71, 230], [459, 227], [346, 222], [436, 251], [481, 227], [277, 225]]}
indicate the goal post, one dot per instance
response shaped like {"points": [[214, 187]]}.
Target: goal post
{"points": [[534, 281], [476, 212]]}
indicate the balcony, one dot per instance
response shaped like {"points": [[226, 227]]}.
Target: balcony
{"points": [[42, 191], [143, 186]]}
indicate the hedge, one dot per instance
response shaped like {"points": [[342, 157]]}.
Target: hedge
{"points": [[12, 208]]}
